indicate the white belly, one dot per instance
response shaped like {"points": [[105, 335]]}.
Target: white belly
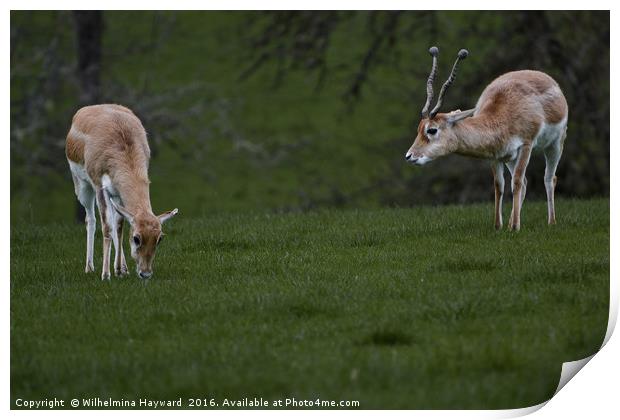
{"points": [[548, 134], [79, 172], [106, 182]]}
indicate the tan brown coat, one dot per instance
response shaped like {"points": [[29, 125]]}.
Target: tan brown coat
{"points": [[518, 112], [108, 153]]}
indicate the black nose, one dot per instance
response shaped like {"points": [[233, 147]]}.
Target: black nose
{"points": [[407, 156], [145, 275]]}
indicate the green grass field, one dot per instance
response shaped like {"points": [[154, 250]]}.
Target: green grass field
{"points": [[397, 308]]}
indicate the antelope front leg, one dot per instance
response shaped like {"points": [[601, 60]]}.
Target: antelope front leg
{"points": [[518, 185], [120, 264], [106, 230], [498, 176], [523, 192], [107, 248]]}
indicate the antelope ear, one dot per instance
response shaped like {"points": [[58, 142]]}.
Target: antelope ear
{"points": [[167, 215], [122, 210], [459, 115]]}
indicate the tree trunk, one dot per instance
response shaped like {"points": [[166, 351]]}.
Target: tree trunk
{"points": [[88, 34]]}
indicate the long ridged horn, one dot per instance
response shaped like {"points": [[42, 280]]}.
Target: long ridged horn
{"points": [[461, 56], [434, 51]]}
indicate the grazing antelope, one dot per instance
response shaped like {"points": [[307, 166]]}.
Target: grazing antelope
{"points": [[109, 157], [517, 113]]}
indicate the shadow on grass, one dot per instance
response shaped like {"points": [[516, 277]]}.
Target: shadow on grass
{"points": [[387, 338]]}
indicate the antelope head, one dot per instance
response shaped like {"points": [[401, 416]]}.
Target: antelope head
{"points": [[436, 137], [145, 236]]}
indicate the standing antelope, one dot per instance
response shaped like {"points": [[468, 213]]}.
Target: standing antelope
{"points": [[518, 112], [109, 157]]}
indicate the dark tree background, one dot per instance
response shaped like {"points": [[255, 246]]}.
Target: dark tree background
{"points": [[293, 110]]}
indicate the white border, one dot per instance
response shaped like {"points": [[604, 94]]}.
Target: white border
{"points": [[592, 394]]}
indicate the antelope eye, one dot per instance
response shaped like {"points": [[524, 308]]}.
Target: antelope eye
{"points": [[431, 131], [136, 240]]}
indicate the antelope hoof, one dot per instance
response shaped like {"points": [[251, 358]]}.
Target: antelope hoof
{"points": [[120, 272], [515, 227], [90, 268], [105, 276], [551, 221]]}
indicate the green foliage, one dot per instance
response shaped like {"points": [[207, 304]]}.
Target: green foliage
{"points": [[281, 136], [397, 308]]}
